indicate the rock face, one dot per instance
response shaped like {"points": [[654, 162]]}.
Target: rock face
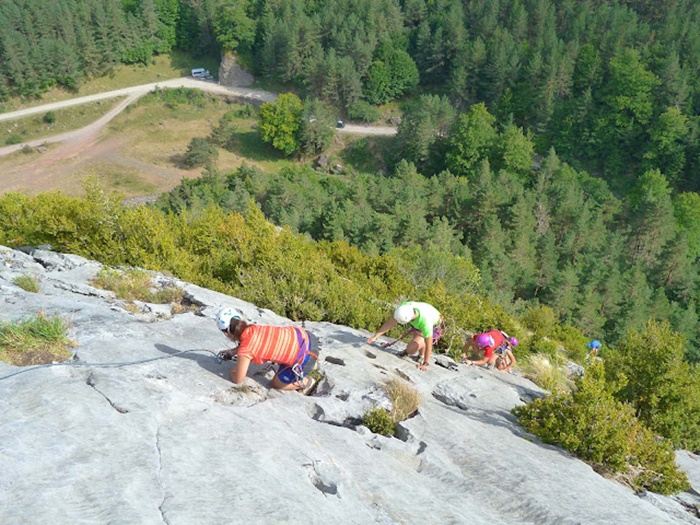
{"points": [[231, 74], [144, 427]]}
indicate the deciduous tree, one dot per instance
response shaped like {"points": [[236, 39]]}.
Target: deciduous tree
{"points": [[280, 123]]}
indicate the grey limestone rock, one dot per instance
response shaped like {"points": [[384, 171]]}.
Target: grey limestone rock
{"points": [[145, 427], [231, 74]]}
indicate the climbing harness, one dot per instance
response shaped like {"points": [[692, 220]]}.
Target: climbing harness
{"points": [[304, 350], [439, 330]]}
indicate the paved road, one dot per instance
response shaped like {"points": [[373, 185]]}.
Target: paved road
{"points": [[135, 92]]}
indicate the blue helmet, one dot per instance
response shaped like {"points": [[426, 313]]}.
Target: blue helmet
{"points": [[594, 345]]}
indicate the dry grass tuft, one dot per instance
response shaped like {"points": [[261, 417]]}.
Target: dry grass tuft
{"points": [[405, 399], [540, 369], [28, 283]]}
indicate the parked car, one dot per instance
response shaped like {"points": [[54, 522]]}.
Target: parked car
{"points": [[200, 72], [340, 124]]}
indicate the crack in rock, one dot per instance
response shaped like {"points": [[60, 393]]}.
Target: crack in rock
{"points": [[403, 375], [90, 381], [160, 479], [83, 289]]}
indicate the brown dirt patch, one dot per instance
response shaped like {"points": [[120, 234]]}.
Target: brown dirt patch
{"points": [[35, 357], [66, 165]]}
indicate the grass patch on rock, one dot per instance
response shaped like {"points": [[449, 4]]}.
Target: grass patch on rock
{"points": [[35, 340], [28, 283], [404, 399], [544, 371], [135, 284]]}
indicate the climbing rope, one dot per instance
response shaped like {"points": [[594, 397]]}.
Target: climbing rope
{"points": [[102, 365]]}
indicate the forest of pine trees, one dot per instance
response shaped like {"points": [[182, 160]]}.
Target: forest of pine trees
{"points": [[45, 44], [554, 143], [612, 85]]}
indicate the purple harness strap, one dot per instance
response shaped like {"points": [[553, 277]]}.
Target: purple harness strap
{"points": [[303, 347]]}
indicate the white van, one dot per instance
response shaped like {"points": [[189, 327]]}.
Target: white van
{"points": [[200, 72]]}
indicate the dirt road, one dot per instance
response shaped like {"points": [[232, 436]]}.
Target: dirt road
{"points": [[132, 94], [82, 146], [135, 92], [188, 82]]}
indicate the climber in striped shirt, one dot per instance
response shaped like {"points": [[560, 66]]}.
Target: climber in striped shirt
{"points": [[294, 349]]}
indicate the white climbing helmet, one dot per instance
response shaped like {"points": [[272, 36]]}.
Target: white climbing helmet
{"points": [[404, 313], [224, 316]]}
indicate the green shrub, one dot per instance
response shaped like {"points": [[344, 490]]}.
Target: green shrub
{"points": [[541, 320], [574, 342], [591, 423], [660, 385], [174, 97], [692, 355], [247, 111], [379, 421], [14, 138], [28, 283], [200, 153], [35, 340], [49, 117], [250, 258], [363, 111], [540, 345]]}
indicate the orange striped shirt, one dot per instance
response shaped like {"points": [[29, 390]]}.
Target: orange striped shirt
{"points": [[278, 344]]}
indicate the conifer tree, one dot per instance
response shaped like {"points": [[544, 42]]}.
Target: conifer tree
{"points": [[472, 139], [650, 215]]}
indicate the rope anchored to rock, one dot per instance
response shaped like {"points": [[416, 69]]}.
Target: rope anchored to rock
{"points": [[115, 365]]}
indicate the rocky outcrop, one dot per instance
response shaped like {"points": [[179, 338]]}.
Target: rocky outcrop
{"points": [[231, 74], [143, 426]]}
